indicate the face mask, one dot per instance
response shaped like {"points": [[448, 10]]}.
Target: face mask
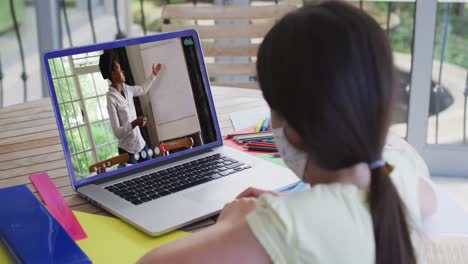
{"points": [[295, 159]]}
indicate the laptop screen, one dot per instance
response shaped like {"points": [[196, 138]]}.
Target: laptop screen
{"points": [[130, 103]]}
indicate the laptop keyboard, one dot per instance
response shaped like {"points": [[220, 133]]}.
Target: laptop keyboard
{"points": [[158, 184]]}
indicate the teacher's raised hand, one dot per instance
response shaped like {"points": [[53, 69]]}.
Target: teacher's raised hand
{"points": [[156, 69]]}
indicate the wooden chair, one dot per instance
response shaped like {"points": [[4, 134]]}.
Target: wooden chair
{"points": [[260, 19], [120, 159], [172, 146]]}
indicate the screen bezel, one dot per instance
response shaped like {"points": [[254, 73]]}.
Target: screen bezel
{"points": [[118, 44]]}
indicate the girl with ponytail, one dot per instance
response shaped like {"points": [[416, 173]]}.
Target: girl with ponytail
{"points": [[327, 73]]}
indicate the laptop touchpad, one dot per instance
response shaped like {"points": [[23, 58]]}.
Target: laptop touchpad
{"points": [[213, 193]]}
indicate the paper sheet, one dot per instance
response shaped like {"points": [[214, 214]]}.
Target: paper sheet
{"points": [[269, 157], [110, 240], [4, 257], [244, 119]]}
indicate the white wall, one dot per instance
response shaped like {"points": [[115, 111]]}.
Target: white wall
{"points": [[171, 98]]}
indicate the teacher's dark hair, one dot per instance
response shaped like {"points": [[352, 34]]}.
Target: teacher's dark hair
{"points": [[328, 70], [107, 63]]}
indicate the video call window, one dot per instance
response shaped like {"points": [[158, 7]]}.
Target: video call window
{"points": [[160, 108], [81, 91]]}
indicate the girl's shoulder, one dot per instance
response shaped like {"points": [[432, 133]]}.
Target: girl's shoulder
{"points": [[408, 168], [321, 205], [305, 227]]}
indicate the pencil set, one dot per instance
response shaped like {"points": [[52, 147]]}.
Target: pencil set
{"points": [[260, 140], [263, 125], [261, 146]]}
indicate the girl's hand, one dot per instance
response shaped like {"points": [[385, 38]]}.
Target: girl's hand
{"points": [[254, 193], [235, 211], [156, 69]]}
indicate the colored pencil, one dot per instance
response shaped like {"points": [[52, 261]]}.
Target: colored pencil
{"points": [[251, 136], [262, 149], [252, 140], [260, 122], [229, 136], [261, 140], [266, 124], [261, 144]]}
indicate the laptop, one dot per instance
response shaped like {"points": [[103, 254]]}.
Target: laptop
{"points": [[170, 170]]}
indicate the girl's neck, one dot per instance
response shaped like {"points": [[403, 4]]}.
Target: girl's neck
{"points": [[358, 175]]}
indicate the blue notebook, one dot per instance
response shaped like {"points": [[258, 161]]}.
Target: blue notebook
{"points": [[31, 234]]}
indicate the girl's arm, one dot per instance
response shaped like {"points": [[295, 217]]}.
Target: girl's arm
{"points": [[230, 240]]}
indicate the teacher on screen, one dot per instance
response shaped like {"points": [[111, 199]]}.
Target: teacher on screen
{"points": [[125, 124]]}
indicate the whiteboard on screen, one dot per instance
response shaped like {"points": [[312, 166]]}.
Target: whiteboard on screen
{"points": [[171, 94]]}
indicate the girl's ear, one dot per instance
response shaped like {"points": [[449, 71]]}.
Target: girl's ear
{"points": [[292, 135], [276, 119]]}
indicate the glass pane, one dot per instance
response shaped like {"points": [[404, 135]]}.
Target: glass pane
{"points": [[75, 133], [85, 138], [63, 113], [52, 68], [397, 19], [71, 148], [76, 166], [59, 67], [78, 56], [64, 89], [72, 88], [99, 132], [95, 53], [102, 86], [79, 113], [104, 153], [114, 149], [93, 110], [110, 133], [88, 59], [66, 66], [89, 158], [449, 86], [87, 85], [57, 91], [70, 113], [103, 104], [82, 163]]}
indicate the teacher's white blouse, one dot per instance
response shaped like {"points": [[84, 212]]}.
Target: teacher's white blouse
{"points": [[122, 113]]}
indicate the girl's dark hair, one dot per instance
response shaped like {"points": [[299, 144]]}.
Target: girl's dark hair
{"points": [[328, 70]]}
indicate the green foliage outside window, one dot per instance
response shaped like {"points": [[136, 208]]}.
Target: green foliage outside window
{"points": [[83, 132], [401, 37]]}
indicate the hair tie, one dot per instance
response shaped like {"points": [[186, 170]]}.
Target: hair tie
{"points": [[377, 164]]}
